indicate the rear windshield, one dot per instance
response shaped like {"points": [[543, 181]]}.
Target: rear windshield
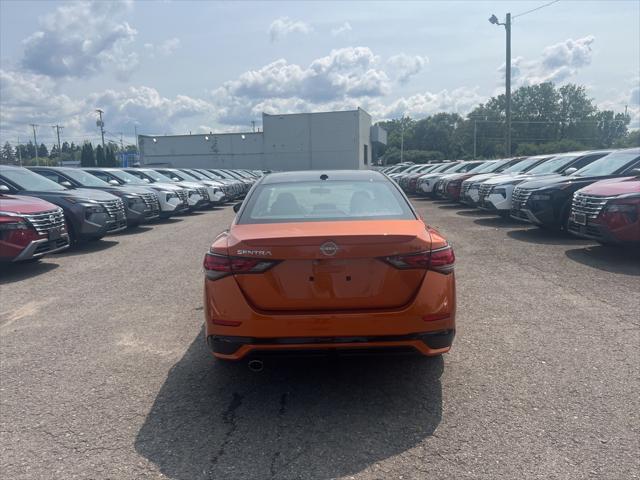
{"points": [[320, 201]]}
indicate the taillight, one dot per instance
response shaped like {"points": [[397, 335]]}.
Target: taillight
{"points": [[217, 266], [440, 260]]}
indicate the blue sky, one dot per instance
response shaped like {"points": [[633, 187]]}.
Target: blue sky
{"points": [[179, 66]]}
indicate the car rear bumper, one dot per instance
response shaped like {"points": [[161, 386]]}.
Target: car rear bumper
{"points": [[236, 348], [228, 313]]}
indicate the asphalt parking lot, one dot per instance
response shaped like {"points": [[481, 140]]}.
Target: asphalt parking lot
{"points": [[105, 373]]}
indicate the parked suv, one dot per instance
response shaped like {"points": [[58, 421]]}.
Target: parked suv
{"points": [[141, 204], [29, 228], [198, 191], [547, 202], [497, 191], [173, 199], [469, 187], [608, 211], [215, 189], [89, 214]]}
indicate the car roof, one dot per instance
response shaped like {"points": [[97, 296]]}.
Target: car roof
{"points": [[311, 175]]}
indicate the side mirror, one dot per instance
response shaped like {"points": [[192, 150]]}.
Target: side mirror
{"points": [[175, 179], [66, 183], [635, 172], [570, 171], [146, 180], [236, 207], [114, 183], [4, 189]]}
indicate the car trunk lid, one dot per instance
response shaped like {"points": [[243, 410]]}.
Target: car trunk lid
{"points": [[336, 272]]}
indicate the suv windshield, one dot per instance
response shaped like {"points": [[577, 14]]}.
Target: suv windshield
{"points": [[27, 180], [609, 164], [127, 177], [325, 201], [83, 178], [554, 164], [523, 166], [156, 176]]}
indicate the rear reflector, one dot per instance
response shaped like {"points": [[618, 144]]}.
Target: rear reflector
{"points": [[440, 260], [217, 266], [434, 317]]}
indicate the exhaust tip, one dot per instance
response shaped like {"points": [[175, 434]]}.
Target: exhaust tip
{"points": [[256, 365]]}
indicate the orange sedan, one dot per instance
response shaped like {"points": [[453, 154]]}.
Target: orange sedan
{"points": [[334, 261]]}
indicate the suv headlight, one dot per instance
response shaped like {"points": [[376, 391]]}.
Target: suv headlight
{"points": [[171, 195]]}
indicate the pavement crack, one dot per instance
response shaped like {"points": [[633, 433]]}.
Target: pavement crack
{"points": [[281, 411], [229, 419]]}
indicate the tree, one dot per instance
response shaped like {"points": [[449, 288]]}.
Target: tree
{"points": [[87, 158], [632, 139], [7, 154], [42, 151], [110, 157], [100, 157]]}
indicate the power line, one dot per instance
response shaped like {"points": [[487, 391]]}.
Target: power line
{"points": [[535, 9]]}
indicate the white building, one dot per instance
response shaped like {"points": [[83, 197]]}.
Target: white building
{"points": [[299, 141]]}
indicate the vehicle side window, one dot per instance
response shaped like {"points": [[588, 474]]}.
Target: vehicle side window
{"points": [[587, 160], [2, 182], [101, 176], [50, 175]]}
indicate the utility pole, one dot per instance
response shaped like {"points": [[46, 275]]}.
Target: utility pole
{"points": [[253, 125], [475, 137], [58, 128], [401, 138], [19, 152], [507, 83], [135, 132], [100, 124], [35, 141]]}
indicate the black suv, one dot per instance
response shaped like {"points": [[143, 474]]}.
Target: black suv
{"points": [[547, 203], [90, 214], [141, 204]]}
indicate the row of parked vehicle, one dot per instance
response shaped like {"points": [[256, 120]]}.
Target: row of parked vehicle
{"points": [[591, 194], [47, 209]]}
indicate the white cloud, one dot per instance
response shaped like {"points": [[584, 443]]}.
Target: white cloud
{"points": [[82, 39], [344, 72], [406, 66], [283, 26], [344, 28], [169, 46], [558, 63]]}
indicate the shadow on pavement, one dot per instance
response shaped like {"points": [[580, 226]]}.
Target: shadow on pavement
{"points": [[166, 221], [312, 418], [86, 247], [14, 272], [497, 221], [451, 206], [133, 231], [546, 236], [613, 259], [474, 212]]}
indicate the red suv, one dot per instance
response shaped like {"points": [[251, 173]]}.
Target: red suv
{"points": [[30, 228], [608, 211]]}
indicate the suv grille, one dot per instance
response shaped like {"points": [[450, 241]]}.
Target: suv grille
{"points": [[203, 193], [45, 221], [484, 190], [519, 197], [113, 207], [182, 195], [151, 202], [590, 205]]}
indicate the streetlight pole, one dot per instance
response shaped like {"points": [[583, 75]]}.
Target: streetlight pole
{"points": [[507, 83]]}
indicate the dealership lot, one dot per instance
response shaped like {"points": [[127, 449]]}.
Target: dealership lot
{"points": [[105, 373]]}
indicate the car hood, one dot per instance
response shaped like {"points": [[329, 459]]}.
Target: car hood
{"points": [[87, 193], [517, 178], [481, 177], [187, 184], [570, 182], [614, 186], [25, 205]]}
